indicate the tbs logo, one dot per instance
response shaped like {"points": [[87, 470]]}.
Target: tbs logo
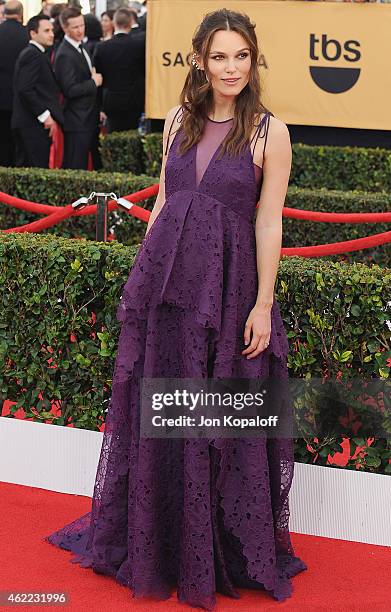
{"points": [[334, 79]]}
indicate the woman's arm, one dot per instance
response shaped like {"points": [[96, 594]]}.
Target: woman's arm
{"points": [[161, 197], [268, 232], [268, 224]]}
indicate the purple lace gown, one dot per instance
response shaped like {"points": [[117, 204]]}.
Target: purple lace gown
{"points": [[201, 515]]}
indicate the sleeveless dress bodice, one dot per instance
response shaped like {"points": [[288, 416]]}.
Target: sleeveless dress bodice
{"points": [[230, 180], [213, 135]]}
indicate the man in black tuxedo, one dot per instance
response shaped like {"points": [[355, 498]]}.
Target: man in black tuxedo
{"points": [[13, 38], [79, 83], [36, 108], [121, 61]]}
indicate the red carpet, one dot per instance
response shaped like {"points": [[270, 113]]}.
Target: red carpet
{"points": [[341, 575]]}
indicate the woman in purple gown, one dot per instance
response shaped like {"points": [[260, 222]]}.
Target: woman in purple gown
{"points": [[202, 515]]}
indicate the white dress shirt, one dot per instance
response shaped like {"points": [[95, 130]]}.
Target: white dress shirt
{"points": [[77, 44], [38, 45]]}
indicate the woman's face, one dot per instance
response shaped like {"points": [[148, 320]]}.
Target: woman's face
{"points": [[107, 25], [229, 63]]}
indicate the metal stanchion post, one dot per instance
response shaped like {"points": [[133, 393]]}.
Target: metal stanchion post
{"points": [[101, 217], [101, 210]]}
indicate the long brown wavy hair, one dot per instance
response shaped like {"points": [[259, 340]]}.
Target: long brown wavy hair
{"points": [[196, 96]]}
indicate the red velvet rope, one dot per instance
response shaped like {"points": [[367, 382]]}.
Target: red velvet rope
{"points": [[335, 248], [327, 217], [37, 226], [44, 209], [56, 214]]}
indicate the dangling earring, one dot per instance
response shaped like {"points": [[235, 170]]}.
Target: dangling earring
{"points": [[193, 61]]}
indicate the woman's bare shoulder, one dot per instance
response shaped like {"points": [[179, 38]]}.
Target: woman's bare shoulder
{"points": [[278, 126], [171, 126], [274, 124], [174, 112], [279, 137]]}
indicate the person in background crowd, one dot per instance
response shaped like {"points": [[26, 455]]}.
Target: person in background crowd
{"points": [[106, 20], [13, 38], [57, 153], [36, 108], [57, 29], [93, 33], [141, 10], [79, 83], [46, 8], [121, 61], [2, 17]]}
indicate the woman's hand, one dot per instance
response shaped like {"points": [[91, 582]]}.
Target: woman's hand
{"points": [[259, 322]]}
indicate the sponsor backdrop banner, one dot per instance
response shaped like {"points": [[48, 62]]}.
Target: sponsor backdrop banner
{"points": [[322, 63]]}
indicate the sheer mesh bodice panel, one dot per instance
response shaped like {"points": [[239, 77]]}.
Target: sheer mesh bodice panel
{"points": [[213, 135]]}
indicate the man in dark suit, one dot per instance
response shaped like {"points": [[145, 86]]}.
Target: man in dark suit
{"points": [[121, 61], [36, 107], [13, 38], [79, 83]]}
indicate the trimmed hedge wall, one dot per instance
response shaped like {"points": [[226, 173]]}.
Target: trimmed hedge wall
{"points": [[366, 169], [58, 331], [332, 167], [123, 152], [62, 186]]}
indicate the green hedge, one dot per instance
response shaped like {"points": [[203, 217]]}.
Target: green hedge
{"points": [[58, 187], [58, 331], [332, 167], [153, 153], [366, 169], [123, 152]]}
